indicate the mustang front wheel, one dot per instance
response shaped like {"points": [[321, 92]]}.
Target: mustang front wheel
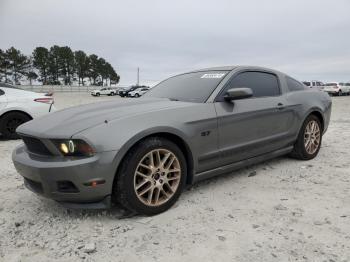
{"points": [[151, 176]]}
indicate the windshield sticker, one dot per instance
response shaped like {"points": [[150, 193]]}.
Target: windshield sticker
{"points": [[212, 75]]}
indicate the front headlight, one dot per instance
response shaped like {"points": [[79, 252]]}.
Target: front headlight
{"points": [[74, 147]]}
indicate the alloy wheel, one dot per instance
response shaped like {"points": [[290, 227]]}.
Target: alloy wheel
{"points": [[312, 137], [157, 177]]}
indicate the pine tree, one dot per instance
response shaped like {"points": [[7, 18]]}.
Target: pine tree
{"points": [[54, 65], [41, 61], [66, 64], [82, 65], [94, 68], [18, 63]]}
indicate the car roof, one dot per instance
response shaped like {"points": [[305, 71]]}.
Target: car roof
{"points": [[230, 68]]}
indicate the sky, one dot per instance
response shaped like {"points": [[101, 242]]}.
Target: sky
{"points": [[309, 40]]}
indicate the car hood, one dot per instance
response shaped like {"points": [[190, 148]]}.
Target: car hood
{"points": [[67, 122]]}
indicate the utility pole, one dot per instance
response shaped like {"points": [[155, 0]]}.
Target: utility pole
{"points": [[138, 76]]}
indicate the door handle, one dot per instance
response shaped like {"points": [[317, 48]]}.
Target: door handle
{"points": [[280, 106]]}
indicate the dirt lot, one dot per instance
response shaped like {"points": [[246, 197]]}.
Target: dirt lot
{"points": [[281, 210]]}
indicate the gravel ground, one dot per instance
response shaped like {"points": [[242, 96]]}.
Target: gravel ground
{"points": [[280, 210]]}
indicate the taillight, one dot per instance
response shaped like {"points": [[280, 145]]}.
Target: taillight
{"points": [[46, 100]]}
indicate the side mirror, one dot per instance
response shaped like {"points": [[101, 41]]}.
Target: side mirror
{"points": [[238, 93]]}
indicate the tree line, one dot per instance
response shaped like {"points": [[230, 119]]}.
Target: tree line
{"points": [[55, 66]]}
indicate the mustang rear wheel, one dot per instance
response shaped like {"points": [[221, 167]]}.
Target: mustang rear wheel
{"points": [[151, 177], [309, 139]]}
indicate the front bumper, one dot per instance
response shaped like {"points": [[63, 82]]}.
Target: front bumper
{"points": [[68, 180]]}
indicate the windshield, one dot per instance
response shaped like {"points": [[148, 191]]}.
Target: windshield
{"points": [[190, 87]]}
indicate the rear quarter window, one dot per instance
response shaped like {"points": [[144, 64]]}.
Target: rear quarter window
{"points": [[294, 85]]}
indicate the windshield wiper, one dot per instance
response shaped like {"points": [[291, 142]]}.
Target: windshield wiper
{"points": [[173, 99]]}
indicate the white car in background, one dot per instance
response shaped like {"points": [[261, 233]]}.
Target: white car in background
{"points": [[18, 106], [138, 92], [314, 84], [104, 91], [336, 88]]}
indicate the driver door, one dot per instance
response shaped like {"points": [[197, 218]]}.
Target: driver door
{"points": [[253, 126]]}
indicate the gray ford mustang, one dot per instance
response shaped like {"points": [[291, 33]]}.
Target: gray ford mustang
{"points": [[141, 153]]}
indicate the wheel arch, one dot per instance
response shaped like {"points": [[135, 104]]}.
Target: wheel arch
{"points": [[171, 135], [319, 115], [16, 111]]}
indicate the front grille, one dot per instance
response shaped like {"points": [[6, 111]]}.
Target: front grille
{"points": [[35, 146], [33, 185]]}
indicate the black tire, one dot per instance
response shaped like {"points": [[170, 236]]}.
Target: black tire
{"points": [[123, 188], [137, 95], [299, 150], [9, 123], [97, 94]]}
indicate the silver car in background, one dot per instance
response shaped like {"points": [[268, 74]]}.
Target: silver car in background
{"points": [[141, 153], [138, 92]]}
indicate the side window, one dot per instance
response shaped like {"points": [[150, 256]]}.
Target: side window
{"points": [[2, 92], [262, 84], [294, 85]]}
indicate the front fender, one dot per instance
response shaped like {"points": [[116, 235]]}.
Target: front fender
{"points": [[146, 133], [120, 139]]}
